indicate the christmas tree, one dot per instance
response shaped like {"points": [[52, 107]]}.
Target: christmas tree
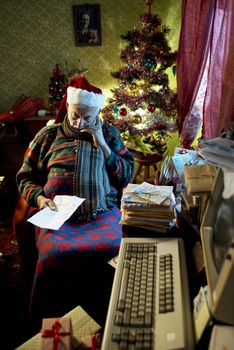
{"points": [[57, 88], [143, 106]]}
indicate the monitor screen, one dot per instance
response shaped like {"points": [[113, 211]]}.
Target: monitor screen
{"points": [[217, 235], [223, 230]]}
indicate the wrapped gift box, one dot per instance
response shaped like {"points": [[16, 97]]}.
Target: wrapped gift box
{"points": [[82, 325], [199, 178], [56, 334]]}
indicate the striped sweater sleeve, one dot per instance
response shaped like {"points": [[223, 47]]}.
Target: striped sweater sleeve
{"points": [[120, 164], [32, 175]]}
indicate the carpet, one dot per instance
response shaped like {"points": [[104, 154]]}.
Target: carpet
{"points": [[9, 255], [13, 321]]}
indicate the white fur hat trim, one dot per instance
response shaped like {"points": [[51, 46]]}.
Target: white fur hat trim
{"points": [[84, 97]]}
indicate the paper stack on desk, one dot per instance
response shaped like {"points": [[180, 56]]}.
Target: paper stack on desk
{"points": [[148, 206], [218, 151]]}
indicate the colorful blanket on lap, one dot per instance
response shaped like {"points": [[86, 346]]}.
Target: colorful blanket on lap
{"points": [[72, 254]]}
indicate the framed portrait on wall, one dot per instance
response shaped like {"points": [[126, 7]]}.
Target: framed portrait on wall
{"points": [[87, 25]]}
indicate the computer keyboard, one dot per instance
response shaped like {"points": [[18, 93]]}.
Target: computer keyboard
{"points": [[150, 304]]}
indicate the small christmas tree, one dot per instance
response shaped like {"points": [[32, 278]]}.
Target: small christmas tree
{"points": [[57, 88], [143, 107]]}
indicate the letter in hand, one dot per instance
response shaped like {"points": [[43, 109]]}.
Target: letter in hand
{"points": [[44, 202]]}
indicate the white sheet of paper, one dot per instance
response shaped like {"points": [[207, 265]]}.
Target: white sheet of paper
{"points": [[51, 219], [114, 262]]}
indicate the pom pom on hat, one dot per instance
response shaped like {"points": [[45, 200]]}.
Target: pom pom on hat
{"points": [[80, 91]]}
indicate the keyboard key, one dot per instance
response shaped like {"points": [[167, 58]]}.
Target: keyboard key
{"points": [[137, 321], [119, 320], [123, 345], [116, 337], [148, 319]]}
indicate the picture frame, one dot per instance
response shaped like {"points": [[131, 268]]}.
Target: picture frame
{"points": [[87, 25]]}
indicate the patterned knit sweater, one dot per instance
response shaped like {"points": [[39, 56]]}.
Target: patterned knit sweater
{"points": [[52, 158]]}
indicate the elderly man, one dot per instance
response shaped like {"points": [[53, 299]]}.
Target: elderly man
{"points": [[79, 156]]}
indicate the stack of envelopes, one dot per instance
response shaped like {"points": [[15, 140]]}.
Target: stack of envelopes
{"points": [[148, 206], [218, 151]]}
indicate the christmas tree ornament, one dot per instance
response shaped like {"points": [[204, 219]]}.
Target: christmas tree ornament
{"points": [[149, 64], [116, 110], [151, 107], [123, 112], [137, 119]]}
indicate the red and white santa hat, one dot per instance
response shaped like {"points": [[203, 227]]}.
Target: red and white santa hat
{"points": [[80, 92]]}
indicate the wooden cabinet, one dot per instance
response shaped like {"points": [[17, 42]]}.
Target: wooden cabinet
{"points": [[34, 124]]}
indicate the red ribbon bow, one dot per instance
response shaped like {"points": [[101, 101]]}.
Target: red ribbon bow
{"points": [[54, 332]]}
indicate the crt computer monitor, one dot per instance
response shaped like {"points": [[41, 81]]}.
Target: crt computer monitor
{"points": [[217, 235]]}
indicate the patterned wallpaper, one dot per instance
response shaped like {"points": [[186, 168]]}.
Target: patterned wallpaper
{"points": [[37, 34]]}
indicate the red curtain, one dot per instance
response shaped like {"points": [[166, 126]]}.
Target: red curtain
{"points": [[204, 74], [219, 101]]}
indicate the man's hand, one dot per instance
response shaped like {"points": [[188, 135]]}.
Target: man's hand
{"points": [[98, 138], [96, 132], [44, 202]]}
